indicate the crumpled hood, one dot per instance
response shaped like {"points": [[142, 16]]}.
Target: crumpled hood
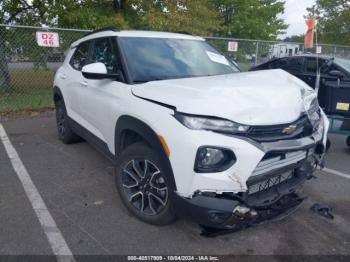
{"points": [[254, 98]]}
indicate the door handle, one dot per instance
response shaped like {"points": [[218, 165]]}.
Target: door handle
{"points": [[84, 83], [63, 76]]}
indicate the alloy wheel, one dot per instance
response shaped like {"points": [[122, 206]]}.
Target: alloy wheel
{"points": [[144, 186]]}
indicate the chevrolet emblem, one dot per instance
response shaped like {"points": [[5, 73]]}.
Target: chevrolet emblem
{"points": [[289, 130]]}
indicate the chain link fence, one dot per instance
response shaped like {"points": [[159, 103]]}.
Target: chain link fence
{"points": [[27, 70], [254, 52]]}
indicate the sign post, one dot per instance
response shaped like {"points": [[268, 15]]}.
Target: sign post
{"points": [[47, 39], [232, 46]]}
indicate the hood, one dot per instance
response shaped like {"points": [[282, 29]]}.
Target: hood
{"points": [[254, 98]]}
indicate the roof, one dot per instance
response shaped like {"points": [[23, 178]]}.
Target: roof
{"points": [[314, 55], [136, 33], [299, 55]]}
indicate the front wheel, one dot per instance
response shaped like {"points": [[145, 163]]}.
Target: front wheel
{"points": [[348, 141], [142, 186]]}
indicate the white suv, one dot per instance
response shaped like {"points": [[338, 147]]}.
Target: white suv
{"points": [[190, 135]]}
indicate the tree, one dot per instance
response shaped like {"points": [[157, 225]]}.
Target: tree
{"points": [[333, 20], [163, 15], [13, 11], [253, 19], [294, 38], [192, 16]]}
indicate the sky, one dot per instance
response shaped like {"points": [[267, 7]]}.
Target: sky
{"points": [[294, 15]]}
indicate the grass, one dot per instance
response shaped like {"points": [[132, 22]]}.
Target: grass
{"points": [[32, 90], [26, 100]]}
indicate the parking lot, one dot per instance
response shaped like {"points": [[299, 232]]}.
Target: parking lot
{"points": [[76, 184]]}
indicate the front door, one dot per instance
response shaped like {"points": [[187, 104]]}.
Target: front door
{"points": [[99, 97]]}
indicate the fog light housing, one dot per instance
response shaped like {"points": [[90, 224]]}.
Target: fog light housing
{"points": [[213, 159]]}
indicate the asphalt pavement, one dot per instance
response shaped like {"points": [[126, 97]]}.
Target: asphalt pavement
{"points": [[76, 183]]}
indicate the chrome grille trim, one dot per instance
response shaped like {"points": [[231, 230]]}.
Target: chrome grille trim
{"points": [[271, 164]]}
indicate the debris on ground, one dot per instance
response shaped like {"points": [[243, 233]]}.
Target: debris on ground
{"points": [[322, 210]]}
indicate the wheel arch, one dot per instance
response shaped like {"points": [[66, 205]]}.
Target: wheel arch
{"points": [[128, 123], [57, 94]]}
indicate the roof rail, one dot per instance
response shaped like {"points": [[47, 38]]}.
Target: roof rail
{"points": [[183, 32], [103, 29]]}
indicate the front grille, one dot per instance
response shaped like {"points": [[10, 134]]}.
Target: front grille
{"points": [[269, 182], [276, 160], [303, 128], [276, 168]]}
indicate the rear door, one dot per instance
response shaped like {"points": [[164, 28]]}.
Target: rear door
{"points": [[73, 80]]}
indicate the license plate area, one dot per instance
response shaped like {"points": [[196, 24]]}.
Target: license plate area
{"points": [[269, 182]]}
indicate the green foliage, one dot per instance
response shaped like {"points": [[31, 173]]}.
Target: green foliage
{"points": [[254, 19], [295, 38], [244, 19], [333, 20]]}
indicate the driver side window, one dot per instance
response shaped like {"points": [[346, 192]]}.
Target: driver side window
{"points": [[80, 57], [103, 52]]}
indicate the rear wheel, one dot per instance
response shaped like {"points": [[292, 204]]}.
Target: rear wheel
{"points": [[142, 185], [328, 145], [65, 132], [348, 141]]}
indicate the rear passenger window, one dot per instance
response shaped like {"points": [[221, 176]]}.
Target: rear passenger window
{"points": [[279, 63], [80, 56], [292, 65], [103, 52], [311, 65], [296, 64]]}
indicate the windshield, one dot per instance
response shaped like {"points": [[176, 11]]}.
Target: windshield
{"points": [[151, 59], [344, 63]]}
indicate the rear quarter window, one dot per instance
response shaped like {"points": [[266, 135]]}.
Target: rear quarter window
{"points": [[80, 57]]}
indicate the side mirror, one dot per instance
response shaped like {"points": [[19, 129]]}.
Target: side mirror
{"points": [[336, 73], [97, 71]]}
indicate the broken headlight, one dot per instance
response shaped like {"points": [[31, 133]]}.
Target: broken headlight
{"points": [[311, 107], [210, 123]]}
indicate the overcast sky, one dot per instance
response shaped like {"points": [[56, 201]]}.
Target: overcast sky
{"points": [[294, 15]]}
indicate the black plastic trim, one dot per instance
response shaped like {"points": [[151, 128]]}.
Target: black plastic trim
{"points": [[91, 139], [125, 123], [57, 91], [123, 64]]}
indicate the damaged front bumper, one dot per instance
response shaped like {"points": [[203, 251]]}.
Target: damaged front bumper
{"points": [[271, 191], [268, 197]]}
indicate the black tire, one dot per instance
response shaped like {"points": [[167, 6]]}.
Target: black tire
{"points": [[348, 141], [65, 132], [328, 144], [144, 193]]}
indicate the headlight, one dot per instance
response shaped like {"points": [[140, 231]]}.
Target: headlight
{"points": [[311, 107], [213, 159], [210, 123]]}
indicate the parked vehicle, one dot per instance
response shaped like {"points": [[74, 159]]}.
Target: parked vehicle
{"points": [[335, 73], [283, 50], [190, 135], [334, 85]]}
